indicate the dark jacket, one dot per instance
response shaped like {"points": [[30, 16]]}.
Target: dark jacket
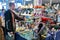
{"points": [[57, 35], [8, 21]]}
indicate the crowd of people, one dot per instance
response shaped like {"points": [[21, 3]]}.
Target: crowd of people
{"points": [[50, 26], [45, 28]]}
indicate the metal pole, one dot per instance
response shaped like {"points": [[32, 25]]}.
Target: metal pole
{"points": [[24, 2], [35, 2], [40, 2], [50, 2], [16, 2], [7, 4]]}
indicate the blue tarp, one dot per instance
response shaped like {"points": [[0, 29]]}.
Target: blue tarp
{"points": [[18, 37]]}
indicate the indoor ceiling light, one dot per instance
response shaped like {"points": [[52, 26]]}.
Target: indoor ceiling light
{"points": [[27, 0]]}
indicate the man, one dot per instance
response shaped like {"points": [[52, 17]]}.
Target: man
{"points": [[40, 28], [57, 36], [10, 17]]}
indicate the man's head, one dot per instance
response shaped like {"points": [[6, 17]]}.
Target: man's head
{"points": [[12, 6]]}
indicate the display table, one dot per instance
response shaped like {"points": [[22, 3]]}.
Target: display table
{"points": [[27, 34], [18, 37]]}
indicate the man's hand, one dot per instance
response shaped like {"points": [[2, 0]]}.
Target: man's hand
{"points": [[24, 19], [11, 32]]}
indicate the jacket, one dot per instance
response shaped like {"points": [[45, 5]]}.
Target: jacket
{"points": [[8, 21]]}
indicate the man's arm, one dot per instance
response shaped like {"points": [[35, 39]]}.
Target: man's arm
{"points": [[18, 18]]}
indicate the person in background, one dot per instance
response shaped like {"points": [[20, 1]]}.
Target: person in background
{"points": [[41, 31], [39, 28], [2, 13], [50, 33], [10, 17], [58, 34], [1, 26], [3, 18]]}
